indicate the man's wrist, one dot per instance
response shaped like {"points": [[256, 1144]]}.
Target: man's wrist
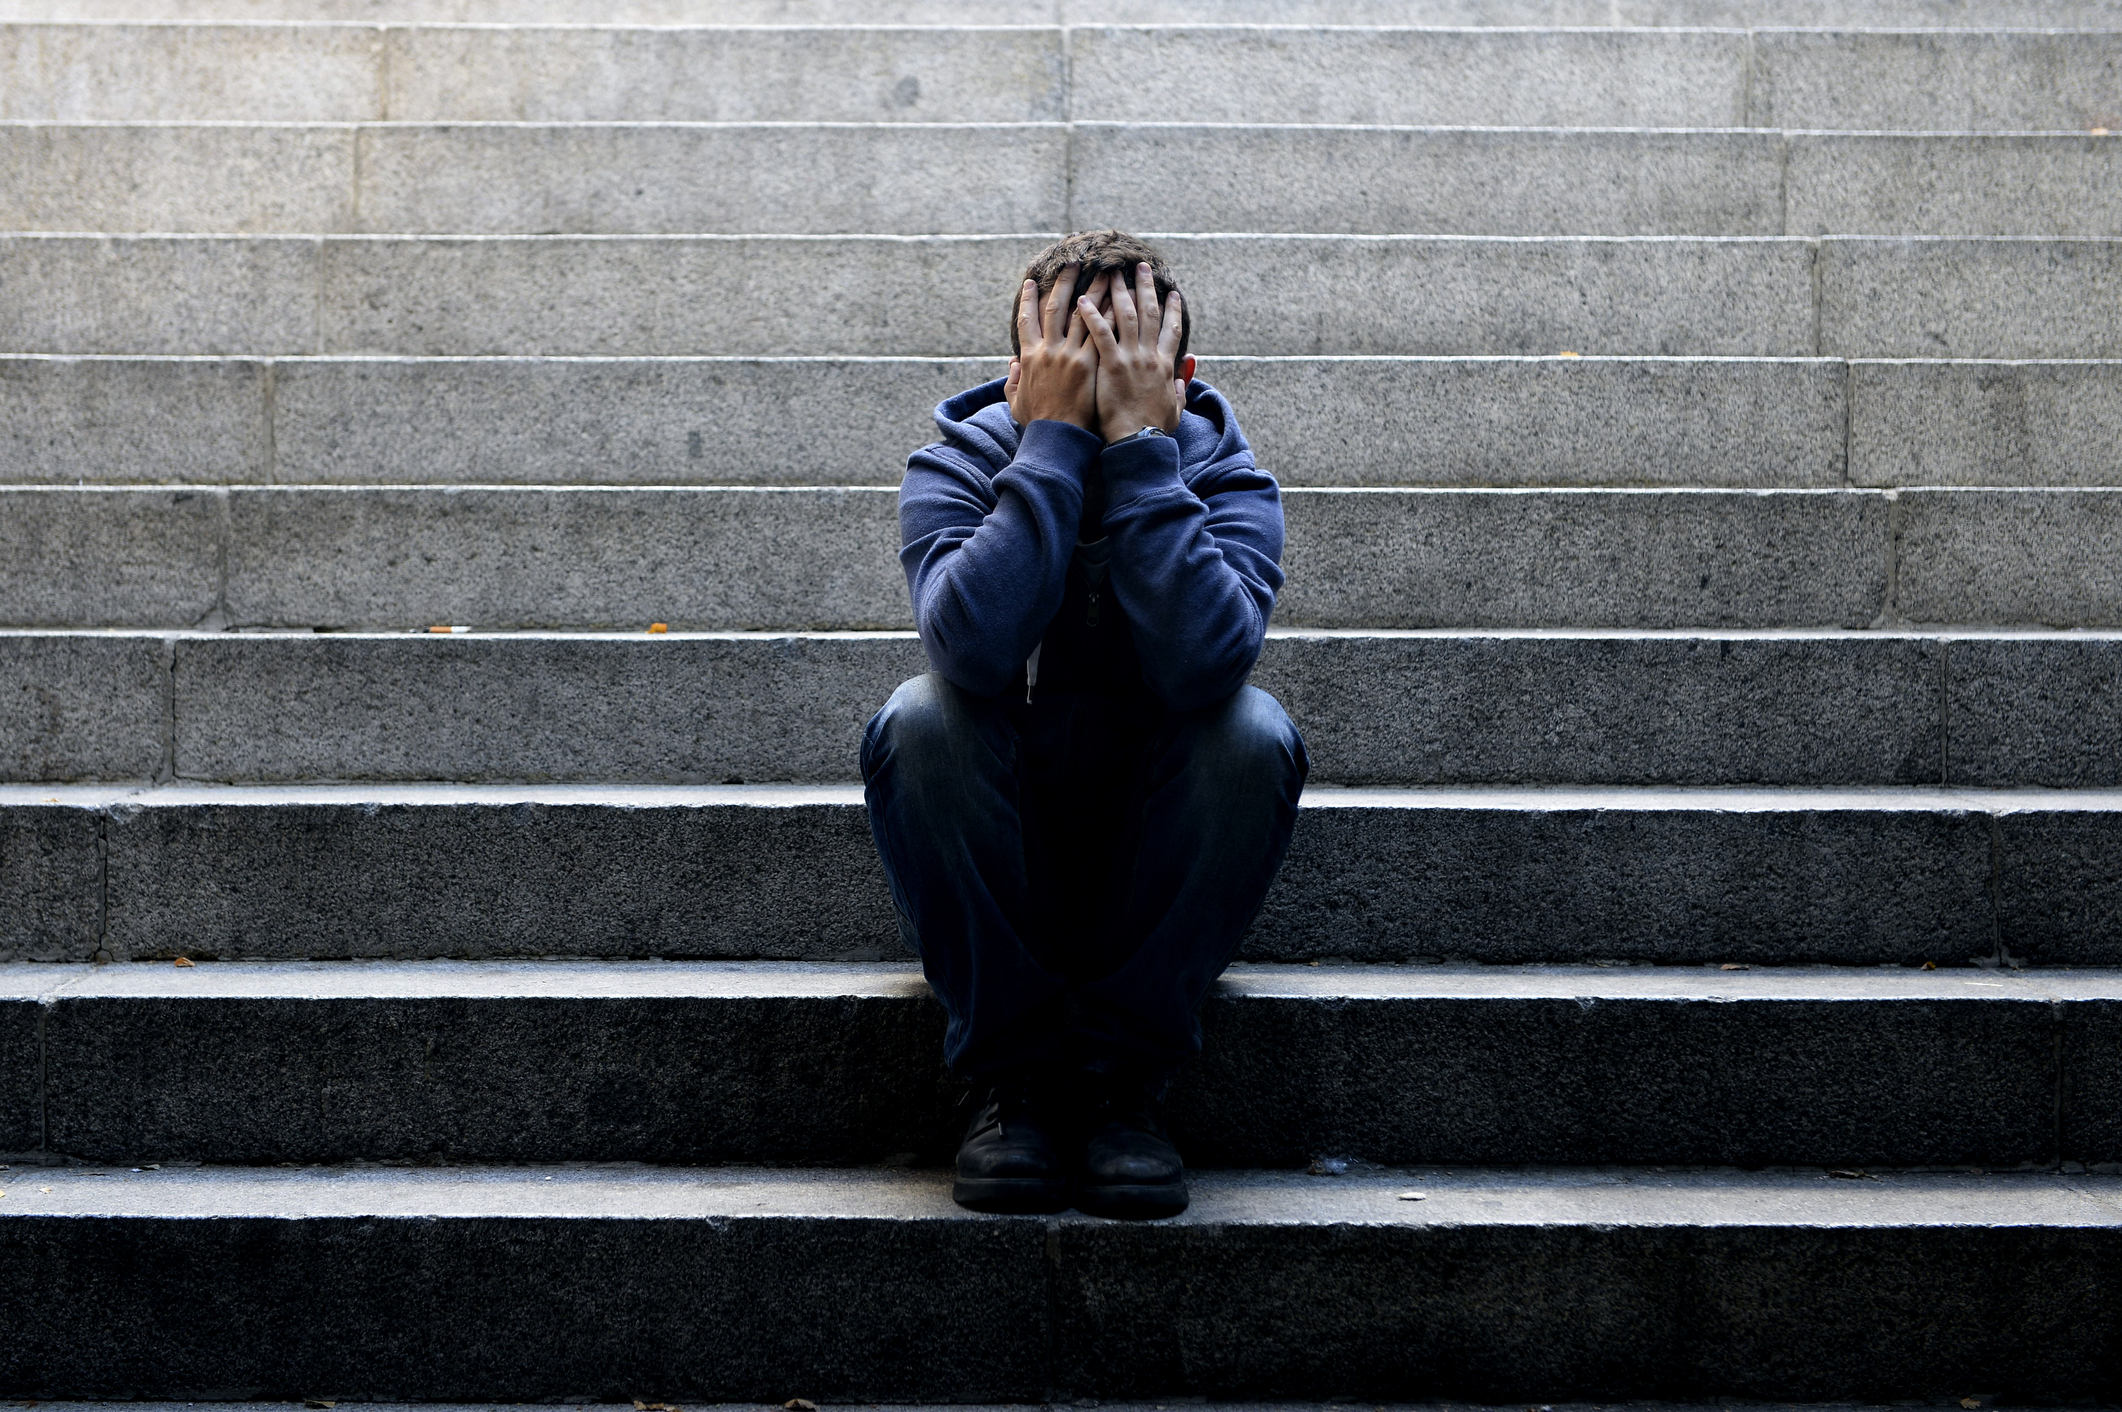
{"points": [[1123, 431]]}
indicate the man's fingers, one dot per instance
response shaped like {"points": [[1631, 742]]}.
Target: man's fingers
{"points": [[1126, 319], [1078, 331], [1028, 315], [1168, 336], [1146, 298], [1100, 331], [1057, 302]]}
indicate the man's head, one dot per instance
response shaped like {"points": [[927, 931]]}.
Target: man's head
{"points": [[1099, 253]]}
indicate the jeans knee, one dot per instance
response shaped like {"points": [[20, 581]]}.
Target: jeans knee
{"points": [[926, 725], [1251, 738]]}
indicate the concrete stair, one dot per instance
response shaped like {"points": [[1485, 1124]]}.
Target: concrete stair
{"points": [[1698, 426]]}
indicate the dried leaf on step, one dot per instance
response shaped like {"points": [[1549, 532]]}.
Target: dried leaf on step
{"points": [[184, 961], [1734, 966], [800, 1404]]}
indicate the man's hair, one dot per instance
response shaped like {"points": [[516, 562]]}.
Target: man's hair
{"points": [[1098, 251]]}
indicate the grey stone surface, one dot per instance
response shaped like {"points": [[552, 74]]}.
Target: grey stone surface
{"points": [[841, 1063], [605, 1297], [397, 558], [741, 421], [1595, 709], [765, 295], [2027, 557], [717, 559], [1970, 299], [21, 1095], [714, 1068], [1500, 1313], [191, 177], [1515, 876], [716, 74], [739, 179], [1543, 421], [1575, 1073], [1377, 709], [1642, 559], [157, 294], [1382, 180], [671, 295], [2091, 1120], [146, 72], [299, 879], [1382, 295], [1887, 14], [1950, 423], [92, 419], [2035, 711], [1467, 78], [669, 709], [1277, 1283], [110, 557], [83, 706], [2059, 886], [1952, 185], [1693, 881], [51, 895], [1937, 82], [801, 421]]}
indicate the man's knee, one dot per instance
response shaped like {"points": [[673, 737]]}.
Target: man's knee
{"points": [[1250, 737], [928, 723]]}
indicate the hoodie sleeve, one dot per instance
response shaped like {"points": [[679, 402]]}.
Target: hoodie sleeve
{"points": [[1195, 569], [986, 562]]}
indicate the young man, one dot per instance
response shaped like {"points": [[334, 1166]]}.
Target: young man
{"points": [[1081, 806]]}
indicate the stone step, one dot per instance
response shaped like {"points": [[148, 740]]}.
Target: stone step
{"points": [[1854, 877], [1949, 80], [917, 179], [1830, 14], [841, 1063], [1409, 707], [359, 558], [1784, 423], [854, 295], [538, 1283]]}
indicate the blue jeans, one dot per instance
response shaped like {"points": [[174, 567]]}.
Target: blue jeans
{"points": [[1074, 875]]}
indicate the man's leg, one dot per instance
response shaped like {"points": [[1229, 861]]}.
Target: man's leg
{"points": [[940, 776], [1218, 808]]}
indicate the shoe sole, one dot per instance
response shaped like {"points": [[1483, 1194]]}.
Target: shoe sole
{"points": [[1132, 1203], [1039, 1195]]}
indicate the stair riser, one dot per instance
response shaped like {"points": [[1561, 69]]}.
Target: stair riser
{"points": [[1862, 14], [1826, 710], [900, 179], [1312, 421], [1417, 295], [854, 1076], [827, 559], [1514, 883], [1851, 80], [537, 1306]]}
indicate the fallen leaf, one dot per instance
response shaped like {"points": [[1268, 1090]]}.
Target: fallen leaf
{"points": [[1851, 1174], [317, 1402], [800, 1404], [1413, 1196], [1734, 966], [1970, 1402], [1930, 965], [659, 627], [2097, 132], [44, 1189], [1569, 355], [184, 961]]}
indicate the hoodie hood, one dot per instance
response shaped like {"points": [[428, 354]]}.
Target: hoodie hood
{"points": [[976, 424]]}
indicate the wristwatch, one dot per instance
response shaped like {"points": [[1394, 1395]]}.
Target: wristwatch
{"points": [[1143, 434]]}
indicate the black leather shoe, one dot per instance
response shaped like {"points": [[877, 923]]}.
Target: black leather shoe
{"points": [[1011, 1158], [1130, 1168]]}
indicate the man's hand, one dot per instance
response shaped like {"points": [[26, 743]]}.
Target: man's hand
{"points": [[1138, 385], [1054, 377]]}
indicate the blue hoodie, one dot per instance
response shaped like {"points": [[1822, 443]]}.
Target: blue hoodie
{"points": [[1181, 534]]}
